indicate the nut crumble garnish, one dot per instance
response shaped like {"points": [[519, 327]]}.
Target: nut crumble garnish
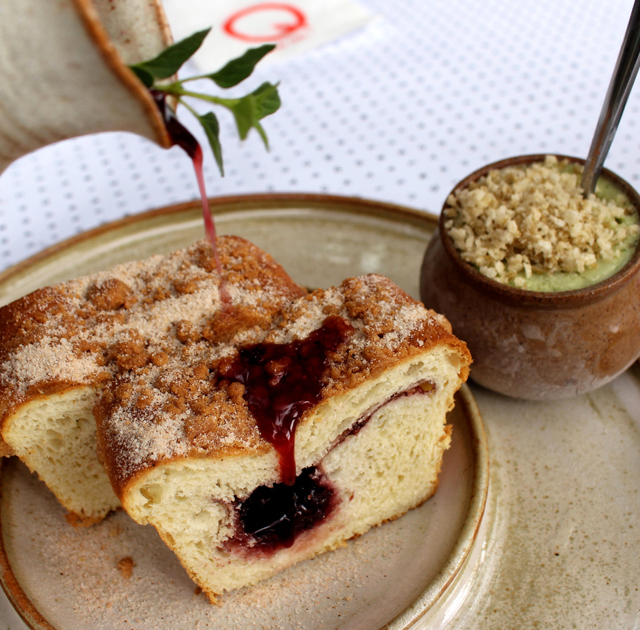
{"points": [[516, 222]]}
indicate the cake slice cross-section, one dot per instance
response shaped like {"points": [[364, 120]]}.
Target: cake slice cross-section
{"points": [[264, 446], [59, 346]]}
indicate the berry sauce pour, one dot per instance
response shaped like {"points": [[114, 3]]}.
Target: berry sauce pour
{"points": [[182, 137], [282, 381]]}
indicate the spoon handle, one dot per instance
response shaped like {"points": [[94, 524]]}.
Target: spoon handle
{"points": [[613, 106]]}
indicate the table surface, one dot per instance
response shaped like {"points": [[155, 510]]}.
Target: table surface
{"points": [[397, 111]]}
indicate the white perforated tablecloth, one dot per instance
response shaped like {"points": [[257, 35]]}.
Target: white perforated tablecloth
{"points": [[397, 111]]}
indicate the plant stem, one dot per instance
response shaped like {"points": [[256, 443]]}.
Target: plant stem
{"points": [[191, 109], [175, 89], [199, 76]]}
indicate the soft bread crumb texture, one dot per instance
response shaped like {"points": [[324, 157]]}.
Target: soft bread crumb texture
{"points": [[180, 445], [519, 221], [56, 436], [60, 344], [388, 468]]}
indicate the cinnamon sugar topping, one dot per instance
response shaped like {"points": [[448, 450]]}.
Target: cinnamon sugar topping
{"points": [[87, 330], [189, 408]]}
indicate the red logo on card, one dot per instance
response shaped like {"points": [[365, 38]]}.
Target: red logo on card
{"points": [[265, 22]]}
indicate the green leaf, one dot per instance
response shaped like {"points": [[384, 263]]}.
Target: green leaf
{"points": [[239, 69], [245, 112], [250, 109], [267, 99], [143, 75], [211, 127], [262, 133], [170, 60]]}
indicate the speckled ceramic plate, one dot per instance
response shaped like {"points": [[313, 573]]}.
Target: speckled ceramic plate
{"points": [[412, 573]]}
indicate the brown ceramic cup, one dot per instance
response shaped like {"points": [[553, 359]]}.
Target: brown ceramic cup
{"points": [[531, 344]]}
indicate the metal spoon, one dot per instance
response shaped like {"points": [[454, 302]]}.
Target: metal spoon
{"points": [[621, 83]]}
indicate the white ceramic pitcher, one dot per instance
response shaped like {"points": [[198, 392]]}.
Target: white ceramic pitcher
{"points": [[63, 71]]}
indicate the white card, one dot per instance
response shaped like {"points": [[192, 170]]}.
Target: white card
{"points": [[294, 26]]}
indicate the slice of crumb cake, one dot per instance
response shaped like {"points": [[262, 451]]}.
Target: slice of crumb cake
{"points": [[256, 447], [60, 344]]}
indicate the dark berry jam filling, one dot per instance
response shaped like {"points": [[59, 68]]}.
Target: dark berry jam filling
{"points": [[178, 133], [282, 381], [272, 518]]}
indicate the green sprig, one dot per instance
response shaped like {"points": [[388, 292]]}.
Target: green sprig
{"points": [[247, 110]]}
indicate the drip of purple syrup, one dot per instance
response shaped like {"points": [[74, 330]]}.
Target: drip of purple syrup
{"points": [[273, 517], [282, 381], [180, 136]]}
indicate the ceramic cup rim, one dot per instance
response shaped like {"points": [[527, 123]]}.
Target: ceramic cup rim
{"points": [[543, 299]]}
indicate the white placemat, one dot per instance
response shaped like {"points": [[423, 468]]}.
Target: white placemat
{"points": [[398, 110]]}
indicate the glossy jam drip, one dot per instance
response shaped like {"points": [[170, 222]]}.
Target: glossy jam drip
{"points": [[182, 137], [273, 517], [282, 381]]}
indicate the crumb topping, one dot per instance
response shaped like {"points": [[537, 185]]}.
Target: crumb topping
{"points": [[187, 407], [125, 566], [87, 330], [519, 221]]}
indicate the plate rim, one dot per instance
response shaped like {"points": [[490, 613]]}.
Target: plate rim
{"points": [[234, 203], [452, 567], [11, 586], [421, 605]]}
